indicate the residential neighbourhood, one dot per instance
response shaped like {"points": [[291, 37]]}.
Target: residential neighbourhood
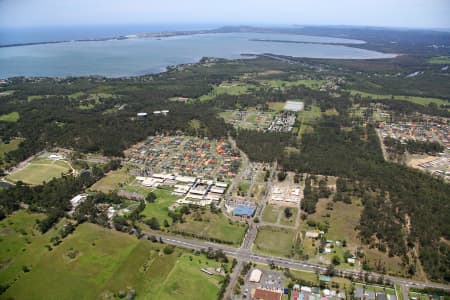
{"points": [[185, 156]]}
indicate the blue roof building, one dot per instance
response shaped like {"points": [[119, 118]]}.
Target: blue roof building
{"points": [[244, 211]]}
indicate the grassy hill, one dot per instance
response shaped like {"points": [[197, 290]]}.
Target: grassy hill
{"points": [[97, 263]]}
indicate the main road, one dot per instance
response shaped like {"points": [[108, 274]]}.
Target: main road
{"points": [[247, 255]]}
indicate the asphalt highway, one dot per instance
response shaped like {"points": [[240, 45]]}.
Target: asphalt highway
{"points": [[246, 255]]}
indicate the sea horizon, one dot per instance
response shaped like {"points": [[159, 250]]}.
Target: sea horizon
{"points": [[19, 35]]}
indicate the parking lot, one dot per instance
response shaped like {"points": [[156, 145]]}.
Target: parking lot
{"points": [[270, 280]]}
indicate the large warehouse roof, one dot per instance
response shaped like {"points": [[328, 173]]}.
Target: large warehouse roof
{"points": [[294, 106], [255, 276]]}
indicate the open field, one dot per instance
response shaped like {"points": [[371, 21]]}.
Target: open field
{"points": [[215, 226], [99, 253], [310, 247], [276, 106], [21, 244], [11, 146], [95, 262], [227, 88], [136, 187], [89, 101], [16, 233], [160, 208], [394, 265], [413, 99], [36, 97], [305, 275], [251, 118], [289, 221], [86, 100], [156, 276], [244, 186], [112, 181], [11, 117], [40, 170], [6, 93], [307, 118], [186, 280], [343, 220], [314, 279], [440, 60], [258, 191], [274, 241], [270, 214], [399, 292], [309, 83], [344, 283]]}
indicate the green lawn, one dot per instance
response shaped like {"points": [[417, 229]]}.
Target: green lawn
{"points": [[413, 99], [312, 84], [195, 124], [40, 170], [225, 88], [343, 220], [105, 262], [440, 60], [398, 292], [244, 186], [215, 226], [307, 118], [11, 117], [15, 233], [305, 275], [137, 187], [310, 247], [36, 97], [187, 281], [274, 241], [270, 214], [112, 181], [76, 95], [251, 118], [160, 208], [11, 146], [156, 276], [56, 276], [21, 244], [276, 106], [289, 221], [258, 191], [394, 265], [6, 93], [227, 115]]}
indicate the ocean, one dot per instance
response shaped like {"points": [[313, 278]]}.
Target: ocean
{"points": [[132, 57]]}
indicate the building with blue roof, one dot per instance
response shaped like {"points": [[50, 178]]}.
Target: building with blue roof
{"points": [[244, 211]]}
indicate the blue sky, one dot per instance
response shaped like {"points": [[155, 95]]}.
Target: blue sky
{"points": [[391, 13]]}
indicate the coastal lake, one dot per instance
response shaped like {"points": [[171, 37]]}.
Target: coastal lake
{"points": [[130, 57]]}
